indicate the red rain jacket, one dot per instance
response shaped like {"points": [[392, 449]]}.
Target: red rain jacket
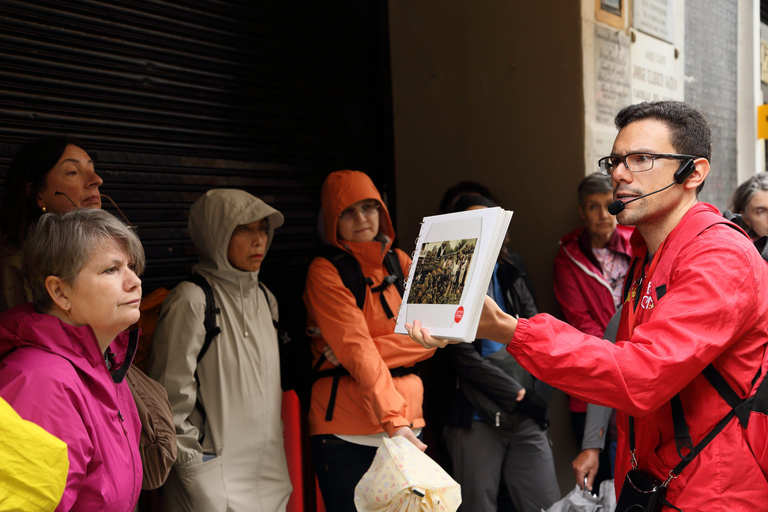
{"points": [[706, 303]]}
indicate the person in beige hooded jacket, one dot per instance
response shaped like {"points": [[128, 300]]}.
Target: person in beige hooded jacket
{"points": [[232, 459]]}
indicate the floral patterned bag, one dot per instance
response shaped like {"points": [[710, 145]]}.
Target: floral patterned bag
{"points": [[403, 479]]}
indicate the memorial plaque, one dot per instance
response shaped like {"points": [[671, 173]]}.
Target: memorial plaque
{"points": [[764, 61], [656, 74], [655, 17], [612, 73]]}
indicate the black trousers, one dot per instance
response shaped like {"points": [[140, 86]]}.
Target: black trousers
{"points": [[339, 466]]}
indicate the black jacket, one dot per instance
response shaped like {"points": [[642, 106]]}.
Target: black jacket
{"points": [[444, 401]]}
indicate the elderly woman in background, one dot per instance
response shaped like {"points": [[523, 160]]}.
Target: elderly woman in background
{"points": [[53, 174], [63, 358], [751, 201]]}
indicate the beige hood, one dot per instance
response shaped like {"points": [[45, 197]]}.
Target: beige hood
{"points": [[214, 217]]}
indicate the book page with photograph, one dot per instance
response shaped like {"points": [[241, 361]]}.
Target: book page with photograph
{"points": [[452, 266], [441, 271]]}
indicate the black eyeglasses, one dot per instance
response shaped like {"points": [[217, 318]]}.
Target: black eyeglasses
{"points": [[130, 226], [636, 162]]}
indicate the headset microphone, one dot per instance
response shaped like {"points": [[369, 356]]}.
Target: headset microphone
{"points": [[617, 207], [680, 176]]}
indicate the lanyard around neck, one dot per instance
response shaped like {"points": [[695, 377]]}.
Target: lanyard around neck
{"points": [[634, 304]]}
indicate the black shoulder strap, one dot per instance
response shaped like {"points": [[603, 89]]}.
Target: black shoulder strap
{"points": [[742, 407], [350, 272], [352, 275], [392, 263], [211, 331], [209, 321], [269, 304]]}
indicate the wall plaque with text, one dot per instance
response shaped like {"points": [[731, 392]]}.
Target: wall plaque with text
{"points": [[656, 74], [612, 73], [655, 17]]}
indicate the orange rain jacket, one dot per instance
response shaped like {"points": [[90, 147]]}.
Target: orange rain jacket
{"points": [[370, 400]]}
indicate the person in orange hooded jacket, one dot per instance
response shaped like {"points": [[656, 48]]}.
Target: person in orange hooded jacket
{"points": [[370, 402]]}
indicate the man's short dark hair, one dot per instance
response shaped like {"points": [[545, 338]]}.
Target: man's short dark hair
{"points": [[689, 131], [595, 183]]}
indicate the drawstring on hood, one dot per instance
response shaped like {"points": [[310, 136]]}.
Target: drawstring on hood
{"points": [[212, 220]]}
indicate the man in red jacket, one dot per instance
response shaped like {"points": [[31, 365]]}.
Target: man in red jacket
{"points": [[694, 299]]}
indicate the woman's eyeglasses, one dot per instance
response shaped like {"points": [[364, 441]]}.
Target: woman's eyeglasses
{"points": [[130, 226], [366, 209]]}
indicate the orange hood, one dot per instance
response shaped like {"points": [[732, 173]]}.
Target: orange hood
{"points": [[344, 188]]}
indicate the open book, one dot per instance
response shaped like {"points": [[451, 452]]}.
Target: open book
{"points": [[452, 266]]}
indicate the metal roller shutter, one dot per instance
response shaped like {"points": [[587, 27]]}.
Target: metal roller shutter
{"points": [[174, 98]]}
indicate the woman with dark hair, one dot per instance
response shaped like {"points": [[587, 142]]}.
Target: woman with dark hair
{"points": [[52, 174], [63, 358], [486, 450], [750, 200]]}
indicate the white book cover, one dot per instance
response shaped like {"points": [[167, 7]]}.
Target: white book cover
{"points": [[452, 266]]}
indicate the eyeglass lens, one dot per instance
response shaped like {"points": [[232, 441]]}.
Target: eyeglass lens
{"points": [[635, 162], [366, 209]]}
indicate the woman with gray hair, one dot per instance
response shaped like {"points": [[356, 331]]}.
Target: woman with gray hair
{"points": [[63, 357], [751, 201]]}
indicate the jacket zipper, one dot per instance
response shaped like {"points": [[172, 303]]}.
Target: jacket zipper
{"points": [[498, 421], [584, 268], [133, 459]]}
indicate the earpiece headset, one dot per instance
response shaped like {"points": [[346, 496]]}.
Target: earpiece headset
{"points": [[684, 171]]}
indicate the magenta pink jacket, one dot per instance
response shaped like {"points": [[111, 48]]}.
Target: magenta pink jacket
{"points": [[54, 375], [707, 305], [584, 295]]}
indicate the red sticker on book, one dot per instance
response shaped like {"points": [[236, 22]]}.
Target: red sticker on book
{"points": [[459, 314]]}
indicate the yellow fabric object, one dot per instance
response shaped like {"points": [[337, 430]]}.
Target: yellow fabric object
{"points": [[33, 465], [404, 479]]}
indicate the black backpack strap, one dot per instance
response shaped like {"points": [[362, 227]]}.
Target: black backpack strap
{"points": [[742, 407], [683, 439], [211, 331], [703, 443], [350, 272], [209, 321], [339, 371], [681, 432], [392, 263], [269, 305], [352, 276]]}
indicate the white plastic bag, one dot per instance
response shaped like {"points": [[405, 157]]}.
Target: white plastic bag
{"points": [[584, 501], [404, 479]]}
